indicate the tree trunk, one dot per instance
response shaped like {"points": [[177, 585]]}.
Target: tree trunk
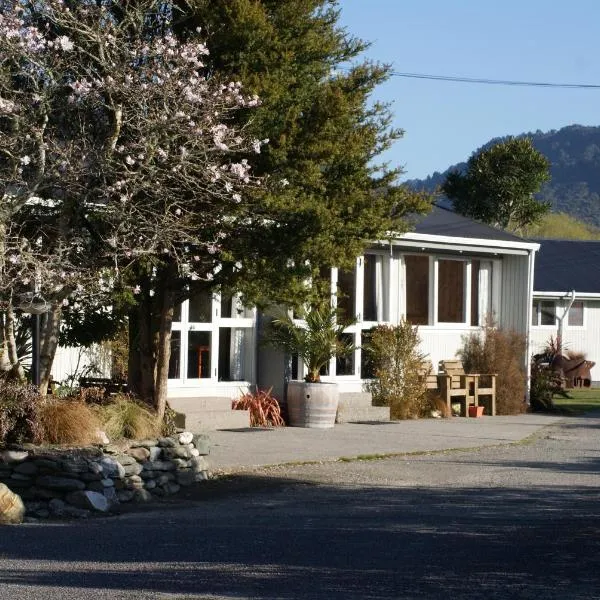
{"points": [[11, 344], [4, 360], [163, 352], [141, 351], [48, 345]]}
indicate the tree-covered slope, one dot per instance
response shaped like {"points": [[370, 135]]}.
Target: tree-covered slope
{"points": [[574, 154]]}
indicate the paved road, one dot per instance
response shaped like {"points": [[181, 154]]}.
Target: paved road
{"points": [[519, 521]]}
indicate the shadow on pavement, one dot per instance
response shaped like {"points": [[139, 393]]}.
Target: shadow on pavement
{"points": [[262, 537]]}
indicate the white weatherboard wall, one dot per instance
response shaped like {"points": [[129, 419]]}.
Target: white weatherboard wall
{"points": [[514, 293], [75, 362], [576, 339]]}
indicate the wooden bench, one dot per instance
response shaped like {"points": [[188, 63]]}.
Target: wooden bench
{"points": [[110, 386], [467, 388]]}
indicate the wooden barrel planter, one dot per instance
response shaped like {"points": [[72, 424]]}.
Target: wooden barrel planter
{"points": [[312, 405]]}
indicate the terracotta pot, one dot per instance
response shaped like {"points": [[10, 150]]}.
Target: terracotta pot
{"points": [[475, 411], [312, 405]]}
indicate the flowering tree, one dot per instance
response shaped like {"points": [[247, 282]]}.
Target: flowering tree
{"points": [[118, 162]]}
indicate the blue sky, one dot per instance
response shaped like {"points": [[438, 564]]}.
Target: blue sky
{"points": [[527, 40]]}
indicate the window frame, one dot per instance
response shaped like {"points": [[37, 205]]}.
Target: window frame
{"points": [[433, 300]]}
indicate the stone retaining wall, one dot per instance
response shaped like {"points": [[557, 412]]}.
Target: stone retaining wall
{"points": [[76, 482]]}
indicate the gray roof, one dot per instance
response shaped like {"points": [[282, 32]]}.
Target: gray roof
{"points": [[441, 221], [565, 265]]}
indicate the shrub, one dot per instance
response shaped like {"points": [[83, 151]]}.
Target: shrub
{"points": [[69, 422], [398, 365], [19, 421], [499, 351], [126, 417], [544, 384], [264, 409]]}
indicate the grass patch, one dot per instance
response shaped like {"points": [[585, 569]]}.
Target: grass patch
{"points": [[580, 401]]}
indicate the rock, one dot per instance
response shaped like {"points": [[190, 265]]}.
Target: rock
{"points": [[195, 452], [75, 512], [158, 491], [95, 467], [202, 443], [13, 456], [147, 474], [187, 437], [202, 476], [46, 465], [155, 453], [144, 444], [134, 483], [142, 496], [111, 495], [75, 464], [19, 477], [47, 494], [125, 459], [100, 486], [150, 484], [26, 468], [165, 478], [199, 464], [111, 468], [171, 488], [166, 442], [56, 507], [140, 454], [159, 465], [125, 495], [42, 513], [12, 509], [59, 483], [134, 469], [89, 500], [90, 476], [177, 452], [186, 477], [102, 437], [111, 449], [182, 464], [5, 471]]}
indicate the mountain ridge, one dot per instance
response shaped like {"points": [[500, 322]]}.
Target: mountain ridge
{"points": [[574, 155]]}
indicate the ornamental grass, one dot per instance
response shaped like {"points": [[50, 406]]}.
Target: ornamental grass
{"points": [[264, 408]]}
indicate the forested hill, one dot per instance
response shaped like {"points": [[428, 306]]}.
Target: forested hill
{"points": [[574, 153]]}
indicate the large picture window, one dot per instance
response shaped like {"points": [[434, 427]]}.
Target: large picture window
{"points": [[455, 291]]}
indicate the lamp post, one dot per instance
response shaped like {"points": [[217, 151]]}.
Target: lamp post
{"points": [[36, 306]]}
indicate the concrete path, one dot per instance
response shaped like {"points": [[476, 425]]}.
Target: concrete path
{"points": [[245, 449]]}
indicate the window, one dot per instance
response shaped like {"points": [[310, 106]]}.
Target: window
{"points": [[417, 289], [575, 317], [346, 293], [458, 290], [451, 289], [543, 313], [212, 340]]}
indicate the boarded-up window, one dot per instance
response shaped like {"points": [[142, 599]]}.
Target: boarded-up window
{"points": [[417, 289], [575, 318], [451, 286]]}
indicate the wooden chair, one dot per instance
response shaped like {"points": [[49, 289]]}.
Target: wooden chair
{"points": [[466, 387], [427, 372]]}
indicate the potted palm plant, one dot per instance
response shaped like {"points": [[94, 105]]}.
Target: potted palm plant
{"points": [[316, 339]]}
